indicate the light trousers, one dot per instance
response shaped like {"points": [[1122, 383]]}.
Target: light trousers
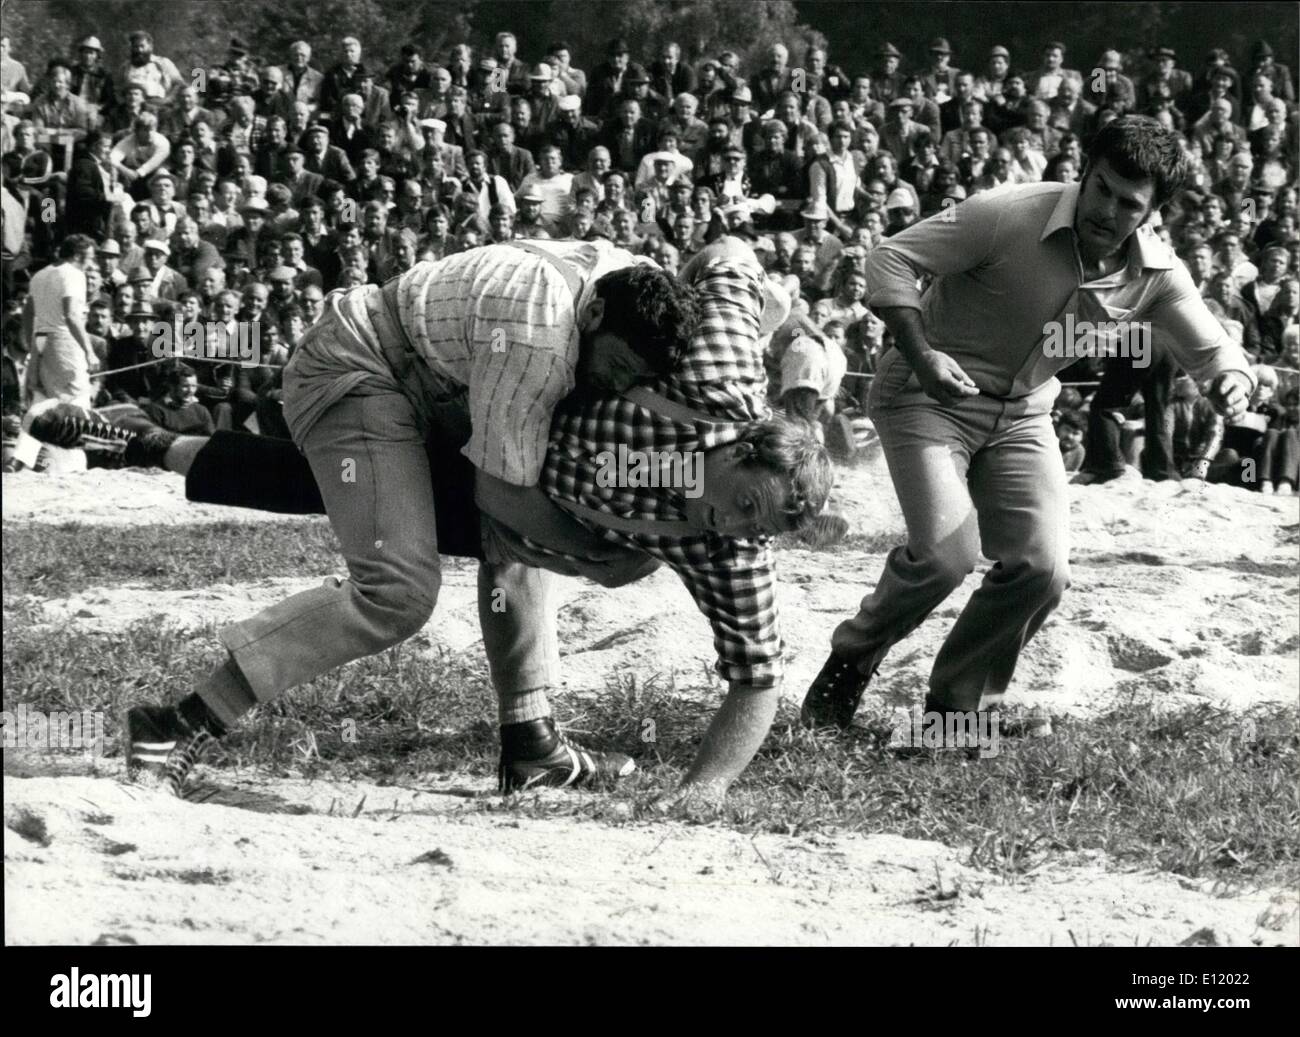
{"points": [[984, 475]]}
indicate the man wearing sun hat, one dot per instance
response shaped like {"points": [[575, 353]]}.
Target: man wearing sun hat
{"points": [[91, 81], [165, 284], [544, 92]]}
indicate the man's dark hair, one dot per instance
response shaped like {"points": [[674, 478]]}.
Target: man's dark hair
{"points": [[75, 245], [176, 373], [1139, 148], [1073, 419], [650, 310]]}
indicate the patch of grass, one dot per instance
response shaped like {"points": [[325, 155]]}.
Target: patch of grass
{"points": [[55, 561], [1199, 791]]}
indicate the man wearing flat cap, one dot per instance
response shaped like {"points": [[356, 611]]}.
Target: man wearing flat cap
{"points": [[573, 133], [886, 79], [1163, 70], [324, 158], [939, 77], [988, 87], [452, 156], [607, 79], [1113, 89], [1261, 62], [165, 283]]}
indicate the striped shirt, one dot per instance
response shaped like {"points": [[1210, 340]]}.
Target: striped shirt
{"points": [[733, 581], [499, 320]]}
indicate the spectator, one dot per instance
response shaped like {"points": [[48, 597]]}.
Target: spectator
{"points": [[53, 321], [177, 408], [60, 108], [157, 76], [940, 78]]}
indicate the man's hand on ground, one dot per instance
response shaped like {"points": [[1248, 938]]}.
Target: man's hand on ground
{"points": [[942, 378], [1230, 394], [690, 800]]}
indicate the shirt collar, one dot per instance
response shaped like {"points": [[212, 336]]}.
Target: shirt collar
{"points": [[1145, 249]]}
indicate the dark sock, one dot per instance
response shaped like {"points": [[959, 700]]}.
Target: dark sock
{"points": [[530, 739], [194, 711]]}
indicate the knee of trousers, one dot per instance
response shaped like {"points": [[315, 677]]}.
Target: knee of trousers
{"points": [[1044, 578], [951, 565], [397, 607]]}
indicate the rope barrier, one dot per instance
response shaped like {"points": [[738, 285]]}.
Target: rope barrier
{"points": [[186, 359]]}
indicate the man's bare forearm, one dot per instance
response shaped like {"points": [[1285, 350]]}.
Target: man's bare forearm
{"points": [[735, 735], [904, 323]]}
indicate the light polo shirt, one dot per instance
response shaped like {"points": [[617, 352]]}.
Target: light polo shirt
{"points": [[1006, 265]]}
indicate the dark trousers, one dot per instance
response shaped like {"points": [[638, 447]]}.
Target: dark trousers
{"points": [[1104, 456], [242, 470], [1278, 456]]}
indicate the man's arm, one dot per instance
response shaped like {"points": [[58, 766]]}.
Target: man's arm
{"points": [[29, 324], [1201, 345], [736, 589], [76, 326], [961, 238]]}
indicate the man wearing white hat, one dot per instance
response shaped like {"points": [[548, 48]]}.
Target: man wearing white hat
{"points": [[573, 133], [825, 245], [544, 92], [91, 81], [165, 283], [553, 187], [451, 155]]}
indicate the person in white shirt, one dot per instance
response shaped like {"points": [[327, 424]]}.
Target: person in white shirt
{"points": [[54, 316], [141, 152], [1027, 164], [843, 168]]}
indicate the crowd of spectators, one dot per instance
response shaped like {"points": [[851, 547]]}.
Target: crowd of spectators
{"points": [[242, 192]]}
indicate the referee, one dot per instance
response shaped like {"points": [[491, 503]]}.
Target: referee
{"points": [[962, 400]]}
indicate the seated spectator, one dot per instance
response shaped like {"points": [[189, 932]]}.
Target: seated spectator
{"points": [[1070, 431], [177, 408]]}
